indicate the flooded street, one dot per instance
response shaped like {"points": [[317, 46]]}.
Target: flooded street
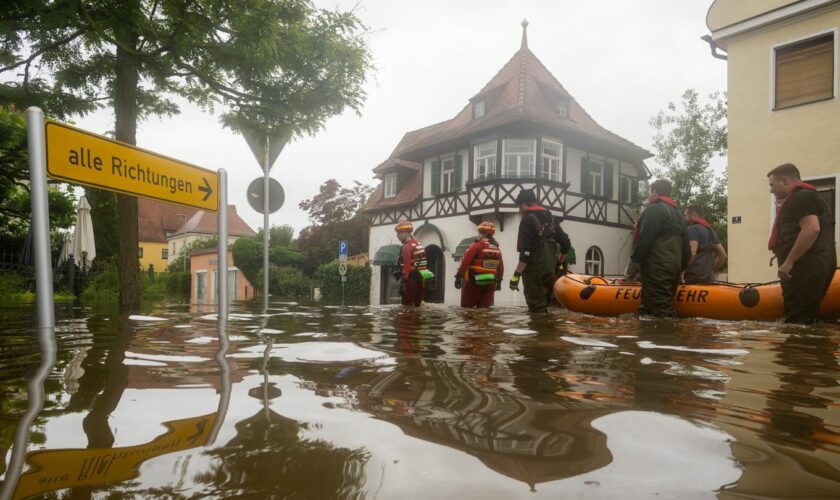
{"points": [[437, 402]]}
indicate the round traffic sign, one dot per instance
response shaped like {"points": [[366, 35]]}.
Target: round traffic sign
{"points": [[342, 269], [276, 195]]}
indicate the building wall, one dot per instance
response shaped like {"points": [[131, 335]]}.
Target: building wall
{"points": [[613, 242], [177, 244], [761, 139], [208, 263], [723, 13], [152, 251]]}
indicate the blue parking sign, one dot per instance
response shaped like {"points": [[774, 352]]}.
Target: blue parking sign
{"points": [[343, 247]]}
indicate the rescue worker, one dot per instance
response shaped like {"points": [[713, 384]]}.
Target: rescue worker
{"points": [[661, 249], [802, 240], [539, 236], [707, 253], [412, 271], [481, 269]]}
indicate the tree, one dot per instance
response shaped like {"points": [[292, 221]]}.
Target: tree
{"points": [[284, 258], [275, 67], [15, 199], [336, 214], [686, 141]]}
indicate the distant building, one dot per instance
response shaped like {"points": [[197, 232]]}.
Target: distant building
{"points": [[204, 267], [156, 221], [522, 130], [203, 225], [782, 63]]}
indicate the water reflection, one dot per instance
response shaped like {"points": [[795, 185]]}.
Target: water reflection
{"points": [[319, 402]]}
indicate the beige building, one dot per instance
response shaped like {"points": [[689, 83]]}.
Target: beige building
{"points": [[782, 59]]}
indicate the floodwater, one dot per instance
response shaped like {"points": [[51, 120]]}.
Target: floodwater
{"points": [[309, 401]]}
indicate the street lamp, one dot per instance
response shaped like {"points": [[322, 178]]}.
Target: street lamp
{"points": [[183, 245]]}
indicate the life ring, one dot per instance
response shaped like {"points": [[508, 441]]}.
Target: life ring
{"points": [[728, 301]]}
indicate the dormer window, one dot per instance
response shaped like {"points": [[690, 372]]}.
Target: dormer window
{"points": [[391, 185], [478, 109], [563, 109]]}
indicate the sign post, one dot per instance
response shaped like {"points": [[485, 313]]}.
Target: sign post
{"points": [[74, 155], [343, 249], [40, 217]]}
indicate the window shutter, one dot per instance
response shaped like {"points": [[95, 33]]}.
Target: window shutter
{"points": [[608, 180], [634, 195], [456, 178], [585, 182], [435, 177], [805, 72]]}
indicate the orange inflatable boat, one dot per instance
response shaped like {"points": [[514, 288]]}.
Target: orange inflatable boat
{"points": [[605, 297]]}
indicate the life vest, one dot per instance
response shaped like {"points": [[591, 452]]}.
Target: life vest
{"points": [[417, 261], [487, 262], [708, 245]]}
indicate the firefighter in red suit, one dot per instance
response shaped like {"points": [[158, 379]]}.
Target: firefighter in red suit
{"points": [[412, 271], [480, 273]]}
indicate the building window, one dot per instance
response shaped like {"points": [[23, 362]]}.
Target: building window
{"points": [[552, 160], [140, 252], [628, 189], [563, 109], [201, 286], [485, 160], [518, 157], [478, 109], [164, 253], [804, 71], [594, 262], [447, 175], [827, 189], [596, 177], [391, 185]]}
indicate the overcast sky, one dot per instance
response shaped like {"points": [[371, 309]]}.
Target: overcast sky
{"points": [[622, 60]]}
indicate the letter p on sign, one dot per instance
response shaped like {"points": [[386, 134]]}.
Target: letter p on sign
{"points": [[342, 250]]}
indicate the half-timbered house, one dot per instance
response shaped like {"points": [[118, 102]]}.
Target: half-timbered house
{"points": [[522, 130]]}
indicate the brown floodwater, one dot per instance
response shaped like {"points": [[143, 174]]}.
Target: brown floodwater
{"points": [[313, 401]]}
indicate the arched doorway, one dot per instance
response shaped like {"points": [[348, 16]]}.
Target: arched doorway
{"points": [[435, 288]]}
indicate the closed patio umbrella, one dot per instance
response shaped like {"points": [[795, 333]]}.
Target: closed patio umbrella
{"points": [[66, 249], [84, 247]]}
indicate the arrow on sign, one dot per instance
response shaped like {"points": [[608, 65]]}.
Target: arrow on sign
{"points": [[205, 189]]}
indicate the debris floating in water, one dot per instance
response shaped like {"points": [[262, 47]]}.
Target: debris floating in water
{"points": [[587, 342], [519, 331], [646, 344], [138, 317]]}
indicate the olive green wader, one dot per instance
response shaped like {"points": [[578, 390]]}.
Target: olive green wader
{"points": [[660, 276], [538, 277]]}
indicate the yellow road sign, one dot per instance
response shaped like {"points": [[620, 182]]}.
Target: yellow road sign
{"points": [[78, 156], [58, 469]]}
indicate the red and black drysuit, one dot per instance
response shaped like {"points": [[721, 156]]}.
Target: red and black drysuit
{"points": [[812, 273], [482, 257], [411, 261], [539, 236]]}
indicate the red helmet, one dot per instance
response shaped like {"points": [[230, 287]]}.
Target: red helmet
{"points": [[404, 226], [487, 228]]}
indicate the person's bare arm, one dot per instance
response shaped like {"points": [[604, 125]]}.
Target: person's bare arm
{"points": [[809, 230], [720, 258]]}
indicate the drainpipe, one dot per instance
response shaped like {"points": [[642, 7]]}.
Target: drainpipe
{"points": [[714, 47]]}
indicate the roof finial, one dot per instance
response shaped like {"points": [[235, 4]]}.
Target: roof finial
{"points": [[524, 34]]}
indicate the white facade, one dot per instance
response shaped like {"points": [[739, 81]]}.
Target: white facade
{"points": [[614, 243]]}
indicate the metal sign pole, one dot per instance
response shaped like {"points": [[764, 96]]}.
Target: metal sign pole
{"points": [[40, 217], [223, 246], [266, 168]]}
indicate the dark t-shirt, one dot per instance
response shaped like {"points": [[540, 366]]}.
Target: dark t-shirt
{"points": [[702, 268], [801, 204]]}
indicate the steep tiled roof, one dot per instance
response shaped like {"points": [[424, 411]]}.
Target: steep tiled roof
{"points": [[410, 192], [155, 219], [523, 90], [206, 223]]}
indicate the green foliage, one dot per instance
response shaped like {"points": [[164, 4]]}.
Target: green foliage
{"points": [[286, 282], [687, 139], [14, 287], [15, 200], [101, 285], [177, 264], [282, 253], [336, 214], [177, 283], [356, 289]]}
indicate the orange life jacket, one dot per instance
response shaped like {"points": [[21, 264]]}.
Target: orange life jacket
{"points": [[487, 261], [417, 257]]}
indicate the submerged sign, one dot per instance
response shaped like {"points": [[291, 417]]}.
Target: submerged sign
{"points": [[58, 469], [78, 156]]}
